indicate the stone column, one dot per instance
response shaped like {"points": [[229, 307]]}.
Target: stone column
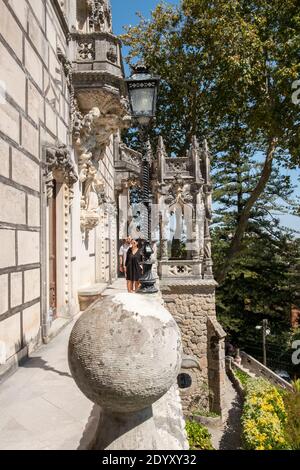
{"points": [[216, 365], [192, 304]]}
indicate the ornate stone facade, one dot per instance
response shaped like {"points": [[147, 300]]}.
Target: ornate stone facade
{"points": [[183, 190], [59, 126]]}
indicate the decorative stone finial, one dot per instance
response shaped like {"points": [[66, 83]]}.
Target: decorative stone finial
{"points": [[125, 353]]}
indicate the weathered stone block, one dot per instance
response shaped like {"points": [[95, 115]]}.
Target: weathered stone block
{"points": [[16, 291], [51, 119], [10, 334], [28, 247], [51, 32], [13, 76], [55, 67], [4, 158], [33, 65], [12, 209], [25, 171], [33, 211], [10, 122], [62, 131], [35, 104], [30, 138], [37, 37], [39, 10], [8, 256], [32, 323], [10, 30], [21, 11], [3, 294], [32, 284]]}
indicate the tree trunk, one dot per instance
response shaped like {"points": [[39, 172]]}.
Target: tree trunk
{"points": [[236, 241]]}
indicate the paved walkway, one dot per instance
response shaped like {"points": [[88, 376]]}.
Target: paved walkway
{"points": [[228, 436], [41, 407]]}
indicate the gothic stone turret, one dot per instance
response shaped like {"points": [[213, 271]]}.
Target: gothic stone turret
{"points": [[100, 108], [183, 190]]}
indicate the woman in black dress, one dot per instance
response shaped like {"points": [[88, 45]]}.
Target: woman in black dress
{"points": [[134, 269]]}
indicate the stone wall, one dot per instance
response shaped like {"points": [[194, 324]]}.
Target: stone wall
{"points": [[34, 112], [193, 308], [36, 104]]}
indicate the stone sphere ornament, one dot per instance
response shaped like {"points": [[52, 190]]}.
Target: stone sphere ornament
{"points": [[125, 352]]}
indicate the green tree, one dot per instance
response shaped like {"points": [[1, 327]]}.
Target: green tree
{"points": [[227, 69]]}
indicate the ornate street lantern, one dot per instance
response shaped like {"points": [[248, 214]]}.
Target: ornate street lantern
{"points": [[142, 91]]}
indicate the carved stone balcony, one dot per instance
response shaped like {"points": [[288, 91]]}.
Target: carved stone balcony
{"points": [[97, 63]]}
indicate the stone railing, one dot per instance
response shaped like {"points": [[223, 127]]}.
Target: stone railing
{"points": [[178, 269], [259, 370], [177, 165], [130, 156]]}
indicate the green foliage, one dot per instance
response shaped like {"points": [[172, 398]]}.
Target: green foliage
{"points": [[178, 249], [242, 376], [227, 69], [264, 417], [260, 284], [205, 413], [292, 406], [296, 386], [198, 436]]}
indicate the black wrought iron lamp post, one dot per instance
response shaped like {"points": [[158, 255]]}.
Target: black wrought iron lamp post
{"points": [[142, 91]]}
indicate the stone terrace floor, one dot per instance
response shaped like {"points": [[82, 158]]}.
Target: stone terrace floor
{"points": [[41, 408]]}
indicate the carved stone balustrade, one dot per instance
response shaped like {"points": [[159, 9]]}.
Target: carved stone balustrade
{"points": [[127, 164], [179, 270]]}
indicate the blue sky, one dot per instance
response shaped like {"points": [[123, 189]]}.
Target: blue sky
{"points": [[124, 13]]}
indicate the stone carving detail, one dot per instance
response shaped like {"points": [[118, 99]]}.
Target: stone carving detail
{"points": [[181, 270], [112, 55], [177, 165], [76, 120], [86, 50], [59, 166], [92, 196], [92, 135], [130, 156], [67, 67], [100, 17], [182, 186], [179, 193], [93, 131]]}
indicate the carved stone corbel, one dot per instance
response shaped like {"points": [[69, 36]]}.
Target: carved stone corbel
{"points": [[94, 129], [59, 166]]}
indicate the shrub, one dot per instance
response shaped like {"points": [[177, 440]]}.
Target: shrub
{"points": [[296, 385], [198, 436], [242, 376], [264, 417], [292, 428]]}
